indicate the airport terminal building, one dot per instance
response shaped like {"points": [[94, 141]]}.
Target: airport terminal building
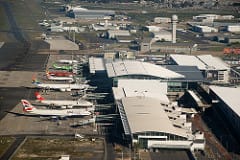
{"points": [[150, 120], [226, 100], [178, 78]]}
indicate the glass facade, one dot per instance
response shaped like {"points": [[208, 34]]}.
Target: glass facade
{"points": [[143, 137]]}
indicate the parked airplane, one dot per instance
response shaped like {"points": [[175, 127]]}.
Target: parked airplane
{"points": [[61, 87], [44, 23], [65, 61], [93, 96], [67, 103], [69, 68], [29, 108], [60, 74], [70, 79]]}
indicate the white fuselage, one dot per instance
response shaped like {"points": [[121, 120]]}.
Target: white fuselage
{"points": [[67, 61], [63, 113], [63, 87], [59, 78], [78, 103]]}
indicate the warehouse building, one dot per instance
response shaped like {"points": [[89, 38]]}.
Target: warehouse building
{"points": [[162, 20], [167, 47], [233, 28], [91, 14], [204, 29], [112, 34], [213, 68], [227, 101]]}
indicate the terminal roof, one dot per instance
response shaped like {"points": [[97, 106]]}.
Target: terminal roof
{"points": [[203, 62], [228, 95], [141, 88], [130, 67], [214, 62], [147, 114], [96, 64], [188, 60], [191, 73]]}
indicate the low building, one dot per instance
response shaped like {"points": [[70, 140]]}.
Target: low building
{"points": [[162, 20], [124, 39], [112, 34], [163, 35], [232, 39], [205, 16], [213, 68], [233, 28], [204, 29], [226, 100], [168, 47], [153, 28], [213, 17], [90, 14]]}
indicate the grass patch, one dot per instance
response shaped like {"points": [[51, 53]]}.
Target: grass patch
{"points": [[46, 148], [5, 143]]}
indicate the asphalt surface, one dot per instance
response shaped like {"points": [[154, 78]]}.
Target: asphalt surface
{"points": [[171, 155], [18, 55], [21, 56]]}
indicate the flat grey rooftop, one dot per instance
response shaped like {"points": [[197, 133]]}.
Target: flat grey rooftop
{"points": [[62, 44], [191, 73]]}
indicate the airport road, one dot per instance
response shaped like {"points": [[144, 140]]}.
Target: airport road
{"points": [[191, 37]]}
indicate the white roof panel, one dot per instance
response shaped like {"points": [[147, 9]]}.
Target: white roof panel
{"points": [[144, 88], [118, 93], [96, 64], [127, 67], [203, 62], [188, 60], [229, 95], [146, 114], [213, 62]]}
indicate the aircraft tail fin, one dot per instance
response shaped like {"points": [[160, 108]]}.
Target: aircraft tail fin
{"points": [[27, 106], [39, 96], [35, 80], [47, 73]]}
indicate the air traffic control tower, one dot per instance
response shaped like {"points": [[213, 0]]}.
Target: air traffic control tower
{"points": [[174, 27]]}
